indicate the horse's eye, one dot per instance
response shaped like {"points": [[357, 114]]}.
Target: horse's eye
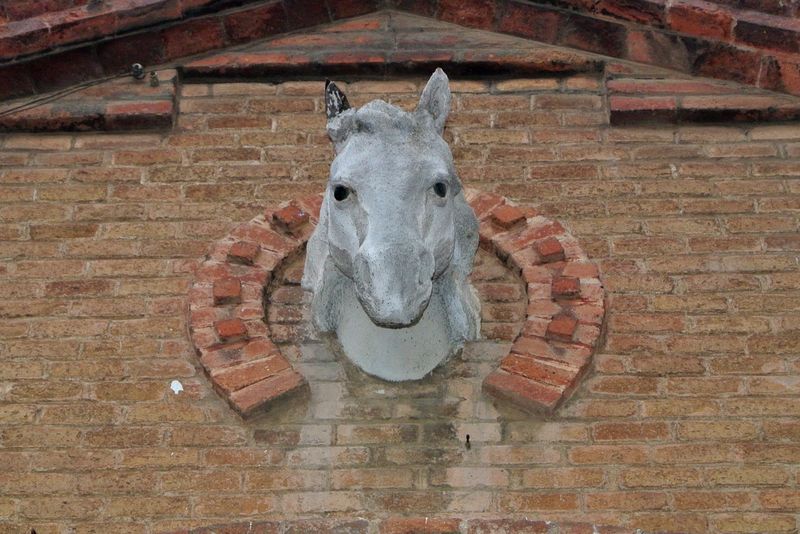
{"points": [[440, 188], [341, 192]]}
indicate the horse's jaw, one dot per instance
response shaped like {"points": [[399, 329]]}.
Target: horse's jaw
{"points": [[395, 354]]}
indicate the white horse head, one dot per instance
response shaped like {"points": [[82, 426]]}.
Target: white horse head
{"points": [[394, 220]]}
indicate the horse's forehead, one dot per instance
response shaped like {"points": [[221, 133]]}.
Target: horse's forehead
{"points": [[393, 152]]}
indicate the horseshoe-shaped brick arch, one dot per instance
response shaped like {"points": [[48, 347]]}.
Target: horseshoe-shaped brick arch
{"points": [[547, 360]]}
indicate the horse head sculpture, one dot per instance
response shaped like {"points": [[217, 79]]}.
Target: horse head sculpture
{"points": [[396, 239]]}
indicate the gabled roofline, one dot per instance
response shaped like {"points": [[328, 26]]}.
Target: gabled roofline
{"points": [[391, 43], [44, 57]]}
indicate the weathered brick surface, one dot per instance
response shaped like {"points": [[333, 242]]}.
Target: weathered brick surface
{"points": [[748, 41], [124, 104], [395, 44], [231, 273], [63, 42], [689, 412], [406, 525], [636, 96]]}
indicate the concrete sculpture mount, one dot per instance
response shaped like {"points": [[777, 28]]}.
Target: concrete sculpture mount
{"points": [[390, 258]]}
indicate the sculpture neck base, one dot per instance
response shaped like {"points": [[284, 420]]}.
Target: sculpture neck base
{"points": [[394, 354]]}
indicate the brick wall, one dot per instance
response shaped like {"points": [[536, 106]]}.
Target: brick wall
{"points": [[14, 10], [687, 423], [747, 41]]}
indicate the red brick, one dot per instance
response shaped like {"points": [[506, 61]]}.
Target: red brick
{"points": [[521, 526], [31, 33], [290, 217], [69, 68], [768, 32], [256, 23], [117, 55], [65, 28], [546, 372], [627, 500], [147, 12], [537, 228], [303, 13], [193, 37], [243, 252], [78, 288], [471, 13], [636, 109], [515, 502], [666, 87], [247, 401], [238, 352], [363, 62], [537, 275], [234, 378], [420, 7], [32, 8], [311, 205], [139, 115], [522, 392], [422, 525], [649, 12], [699, 18], [728, 63], [483, 203], [230, 329], [562, 327], [631, 431], [499, 292], [507, 216], [15, 81], [639, 103], [539, 24], [541, 348], [266, 237], [342, 9], [788, 78], [549, 249], [580, 270], [566, 287], [227, 291], [593, 34]]}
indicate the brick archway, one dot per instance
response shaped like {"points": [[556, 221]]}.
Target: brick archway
{"points": [[565, 306]]}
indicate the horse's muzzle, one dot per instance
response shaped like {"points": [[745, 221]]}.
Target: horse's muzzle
{"points": [[393, 282]]}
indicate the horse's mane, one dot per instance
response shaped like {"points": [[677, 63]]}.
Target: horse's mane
{"points": [[379, 115]]}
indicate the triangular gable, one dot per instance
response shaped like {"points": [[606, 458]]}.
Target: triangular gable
{"points": [[391, 43], [750, 43]]}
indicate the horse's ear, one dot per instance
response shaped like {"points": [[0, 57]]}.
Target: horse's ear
{"points": [[335, 100], [435, 99], [339, 123]]}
